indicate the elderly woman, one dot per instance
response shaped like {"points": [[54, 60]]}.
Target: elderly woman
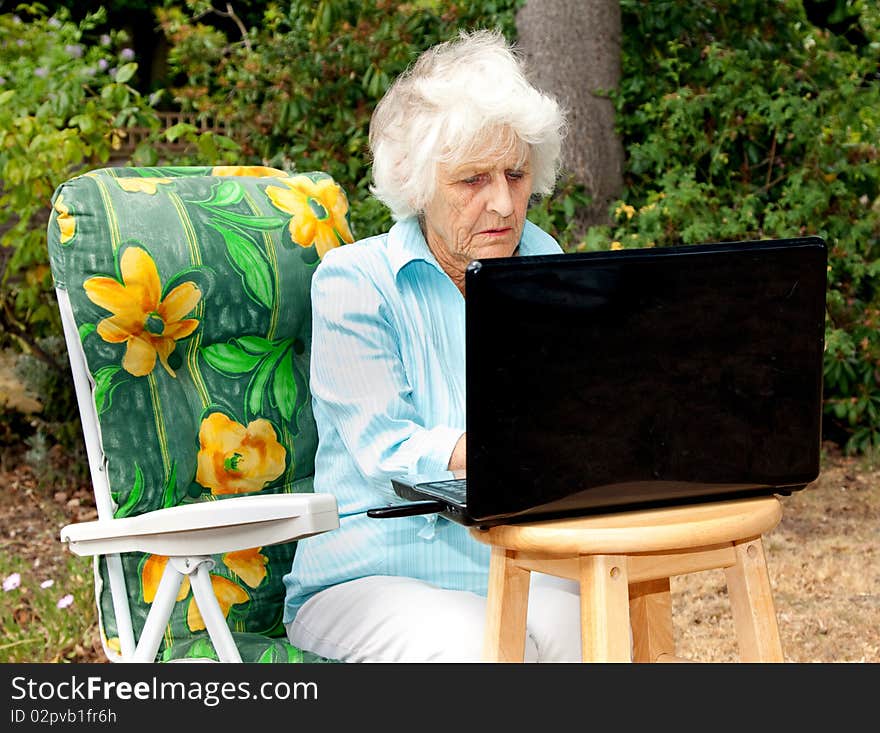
{"points": [[460, 143]]}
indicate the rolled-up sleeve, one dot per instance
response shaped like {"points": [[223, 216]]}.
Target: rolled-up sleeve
{"points": [[358, 381]]}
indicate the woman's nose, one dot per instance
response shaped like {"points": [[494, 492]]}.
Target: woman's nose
{"points": [[500, 199]]}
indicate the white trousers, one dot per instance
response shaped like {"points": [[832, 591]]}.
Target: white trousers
{"points": [[383, 618]]}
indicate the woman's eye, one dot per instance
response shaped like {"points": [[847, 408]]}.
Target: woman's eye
{"points": [[512, 175]]}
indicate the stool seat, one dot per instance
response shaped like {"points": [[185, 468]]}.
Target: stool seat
{"points": [[623, 562], [649, 530]]}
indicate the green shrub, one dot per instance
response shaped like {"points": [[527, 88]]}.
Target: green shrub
{"points": [[742, 120], [298, 91], [66, 102]]}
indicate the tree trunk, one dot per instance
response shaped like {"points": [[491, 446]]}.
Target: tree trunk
{"points": [[573, 52]]}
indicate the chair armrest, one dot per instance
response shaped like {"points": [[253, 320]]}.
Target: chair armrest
{"points": [[208, 528]]}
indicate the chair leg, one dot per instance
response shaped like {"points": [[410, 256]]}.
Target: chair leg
{"points": [[751, 600], [605, 630], [215, 621], [121, 609], [506, 608], [650, 612], [160, 612]]}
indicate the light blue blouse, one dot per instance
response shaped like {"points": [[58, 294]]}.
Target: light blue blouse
{"points": [[388, 391]]}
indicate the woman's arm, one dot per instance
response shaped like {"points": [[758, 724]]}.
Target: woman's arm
{"points": [[457, 459], [358, 381]]}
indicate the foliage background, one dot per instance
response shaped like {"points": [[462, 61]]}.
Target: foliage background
{"points": [[740, 119], [745, 120]]}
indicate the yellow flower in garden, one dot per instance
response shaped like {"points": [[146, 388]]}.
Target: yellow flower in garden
{"points": [[317, 211], [625, 209], [260, 171], [66, 222], [148, 324], [37, 274], [234, 459], [228, 594], [151, 574], [141, 185], [249, 565], [616, 245]]}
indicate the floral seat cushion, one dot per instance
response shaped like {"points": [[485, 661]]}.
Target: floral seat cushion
{"points": [[190, 290]]}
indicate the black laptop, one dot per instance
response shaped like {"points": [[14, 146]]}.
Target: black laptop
{"points": [[605, 381]]}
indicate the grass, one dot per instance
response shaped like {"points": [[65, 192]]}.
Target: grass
{"points": [[46, 617]]}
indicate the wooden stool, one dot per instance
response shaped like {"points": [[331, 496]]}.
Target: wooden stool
{"points": [[623, 562]]}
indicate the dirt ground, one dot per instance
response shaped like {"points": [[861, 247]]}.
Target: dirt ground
{"points": [[824, 561]]}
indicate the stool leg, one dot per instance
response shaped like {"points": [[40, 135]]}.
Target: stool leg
{"points": [[605, 632], [751, 599], [650, 613], [507, 606]]}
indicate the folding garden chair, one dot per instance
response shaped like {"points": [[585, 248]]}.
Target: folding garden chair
{"points": [[184, 296]]}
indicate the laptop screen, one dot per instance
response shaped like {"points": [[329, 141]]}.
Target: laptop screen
{"points": [[605, 378]]}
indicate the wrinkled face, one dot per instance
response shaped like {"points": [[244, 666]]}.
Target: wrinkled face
{"points": [[478, 209]]}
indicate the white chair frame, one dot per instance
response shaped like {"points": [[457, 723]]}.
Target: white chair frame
{"points": [[188, 535]]}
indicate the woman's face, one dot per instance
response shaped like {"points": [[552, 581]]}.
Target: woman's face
{"points": [[478, 209]]}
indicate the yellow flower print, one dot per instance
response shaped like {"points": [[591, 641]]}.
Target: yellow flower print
{"points": [[234, 459], [151, 574], [65, 220], [249, 565], [317, 211], [141, 185], [259, 171], [148, 324], [228, 594]]}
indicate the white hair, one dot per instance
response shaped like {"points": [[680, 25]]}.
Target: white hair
{"points": [[460, 99]]}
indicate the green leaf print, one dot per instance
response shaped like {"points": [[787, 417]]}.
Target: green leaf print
{"points": [[169, 492], [202, 649], [251, 264], [286, 654], [256, 388], [271, 362], [230, 359], [270, 656], [259, 382], [226, 193], [133, 497], [103, 387], [256, 344], [178, 170], [284, 386], [261, 223]]}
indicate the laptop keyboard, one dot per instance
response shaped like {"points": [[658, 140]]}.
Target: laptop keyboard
{"points": [[454, 489]]}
